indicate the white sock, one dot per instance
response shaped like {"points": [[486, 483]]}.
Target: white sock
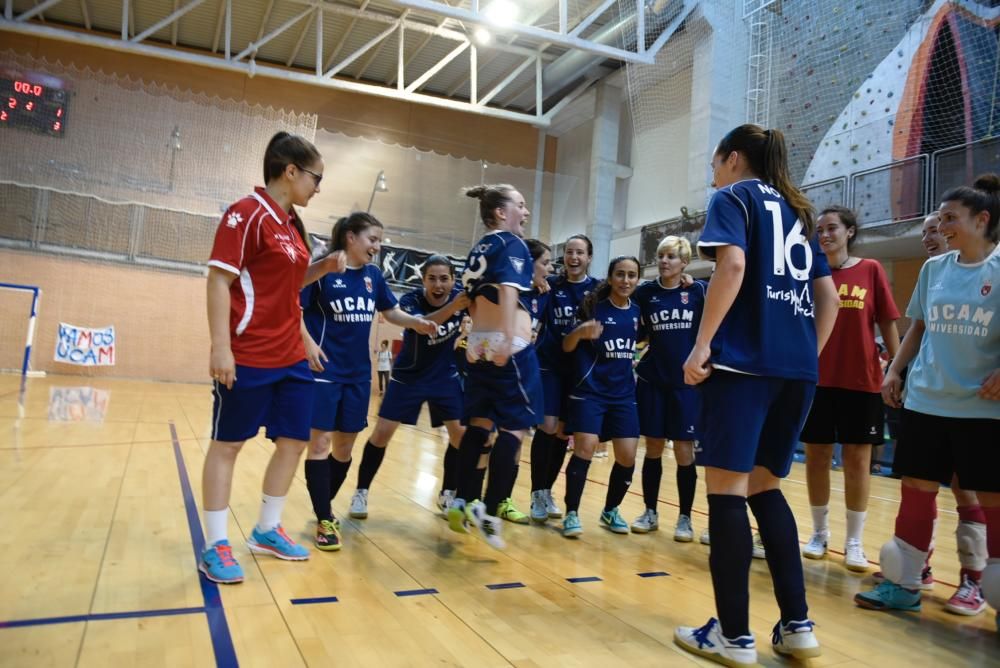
{"points": [[270, 512], [216, 526], [856, 525], [821, 519]]}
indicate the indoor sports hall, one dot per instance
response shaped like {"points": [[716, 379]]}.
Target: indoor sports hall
{"points": [[129, 127]]}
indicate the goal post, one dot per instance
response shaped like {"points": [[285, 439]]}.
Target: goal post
{"points": [[36, 294]]}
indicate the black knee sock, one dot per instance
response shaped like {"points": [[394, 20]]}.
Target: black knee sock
{"points": [[449, 481], [687, 480], [469, 451], [618, 482], [371, 460], [318, 484], [478, 479], [338, 474], [652, 473], [557, 455], [502, 470], [729, 561], [509, 492], [780, 536], [540, 453], [576, 478]]}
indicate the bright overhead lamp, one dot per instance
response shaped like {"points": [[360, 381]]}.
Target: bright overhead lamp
{"points": [[502, 13], [482, 35]]}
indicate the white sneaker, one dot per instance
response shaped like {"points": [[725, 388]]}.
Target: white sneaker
{"points": [[795, 639], [489, 526], [359, 504], [709, 642], [539, 511], [648, 521], [705, 539], [758, 547], [683, 531], [816, 547], [554, 511], [854, 557], [444, 501]]}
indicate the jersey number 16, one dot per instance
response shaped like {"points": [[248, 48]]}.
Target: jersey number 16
{"points": [[783, 245]]}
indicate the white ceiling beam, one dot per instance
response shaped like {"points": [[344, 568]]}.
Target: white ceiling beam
{"points": [[377, 50], [124, 24], [270, 71], [345, 35], [264, 19], [319, 41], [219, 17], [400, 64], [420, 47], [167, 20], [563, 103], [298, 43], [86, 14], [441, 64], [254, 46], [173, 28], [36, 10], [329, 74], [671, 28], [590, 18], [526, 31], [516, 72]]}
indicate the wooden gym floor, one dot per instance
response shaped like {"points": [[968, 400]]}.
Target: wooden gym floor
{"points": [[97, 560]]}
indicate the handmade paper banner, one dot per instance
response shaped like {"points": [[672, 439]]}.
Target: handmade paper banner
{"points": [[85, 346]]}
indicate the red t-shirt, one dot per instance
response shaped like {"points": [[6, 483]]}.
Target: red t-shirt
{"points": [[257, 241], [850, 358]]}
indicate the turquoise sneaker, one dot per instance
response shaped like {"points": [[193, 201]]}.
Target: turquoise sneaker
{"points": [[889, 596], [219, 565], [277, 543], [571, 525], [614, 521]]}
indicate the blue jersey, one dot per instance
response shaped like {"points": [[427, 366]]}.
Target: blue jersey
{"points": [[499, 258], [603, 367], [770, 329], [564, 298], [427, 359], [670, 319], [536, 304], [338, 310]]}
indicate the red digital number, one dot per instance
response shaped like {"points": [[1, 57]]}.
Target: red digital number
{"points": [[57, 126], [37, 90], [30, 106], [59, 112], [28, 88], [3, 115], [11, 102]]}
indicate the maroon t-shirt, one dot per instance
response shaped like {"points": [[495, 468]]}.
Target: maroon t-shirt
{"points": [[850, 358]]}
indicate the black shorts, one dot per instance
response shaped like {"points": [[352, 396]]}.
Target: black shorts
{"points": [[845, 416], [933, 448]]}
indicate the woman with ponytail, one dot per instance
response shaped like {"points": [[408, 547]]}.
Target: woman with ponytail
{"points": [[259, 355], [503, 388], [950, 423], [768, 312], [602, 394]]}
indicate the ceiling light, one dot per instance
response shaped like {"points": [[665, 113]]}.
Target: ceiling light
{"points": [[482, 35], [501, 13]]}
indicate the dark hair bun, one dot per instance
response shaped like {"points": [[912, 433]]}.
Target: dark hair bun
{"points": [[988, 183], [476, 192]]}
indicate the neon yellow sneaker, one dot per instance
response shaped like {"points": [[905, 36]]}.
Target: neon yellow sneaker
{"points": [[507, 511]]}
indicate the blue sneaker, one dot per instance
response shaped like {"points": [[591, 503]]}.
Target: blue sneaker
{"points": [[277, 543], [539, 509], [889, 596], [219, 565], [571, 525], [708, 641], [614, 521]]}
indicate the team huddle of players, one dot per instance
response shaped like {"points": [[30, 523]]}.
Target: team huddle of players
{"points": [[731, 365]]}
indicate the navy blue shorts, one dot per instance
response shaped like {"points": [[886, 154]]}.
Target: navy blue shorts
{"points": [[279, 399], [402, 401], [668, 412], [607, 419], [553, 392], [510, 396], [341, 407], [751, 421]]}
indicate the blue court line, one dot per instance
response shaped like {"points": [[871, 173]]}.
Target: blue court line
{"points": [[318, 599], [218, 628], [506, 585], [653, 574], [97, 617], [415, 592], [589, 578]]}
